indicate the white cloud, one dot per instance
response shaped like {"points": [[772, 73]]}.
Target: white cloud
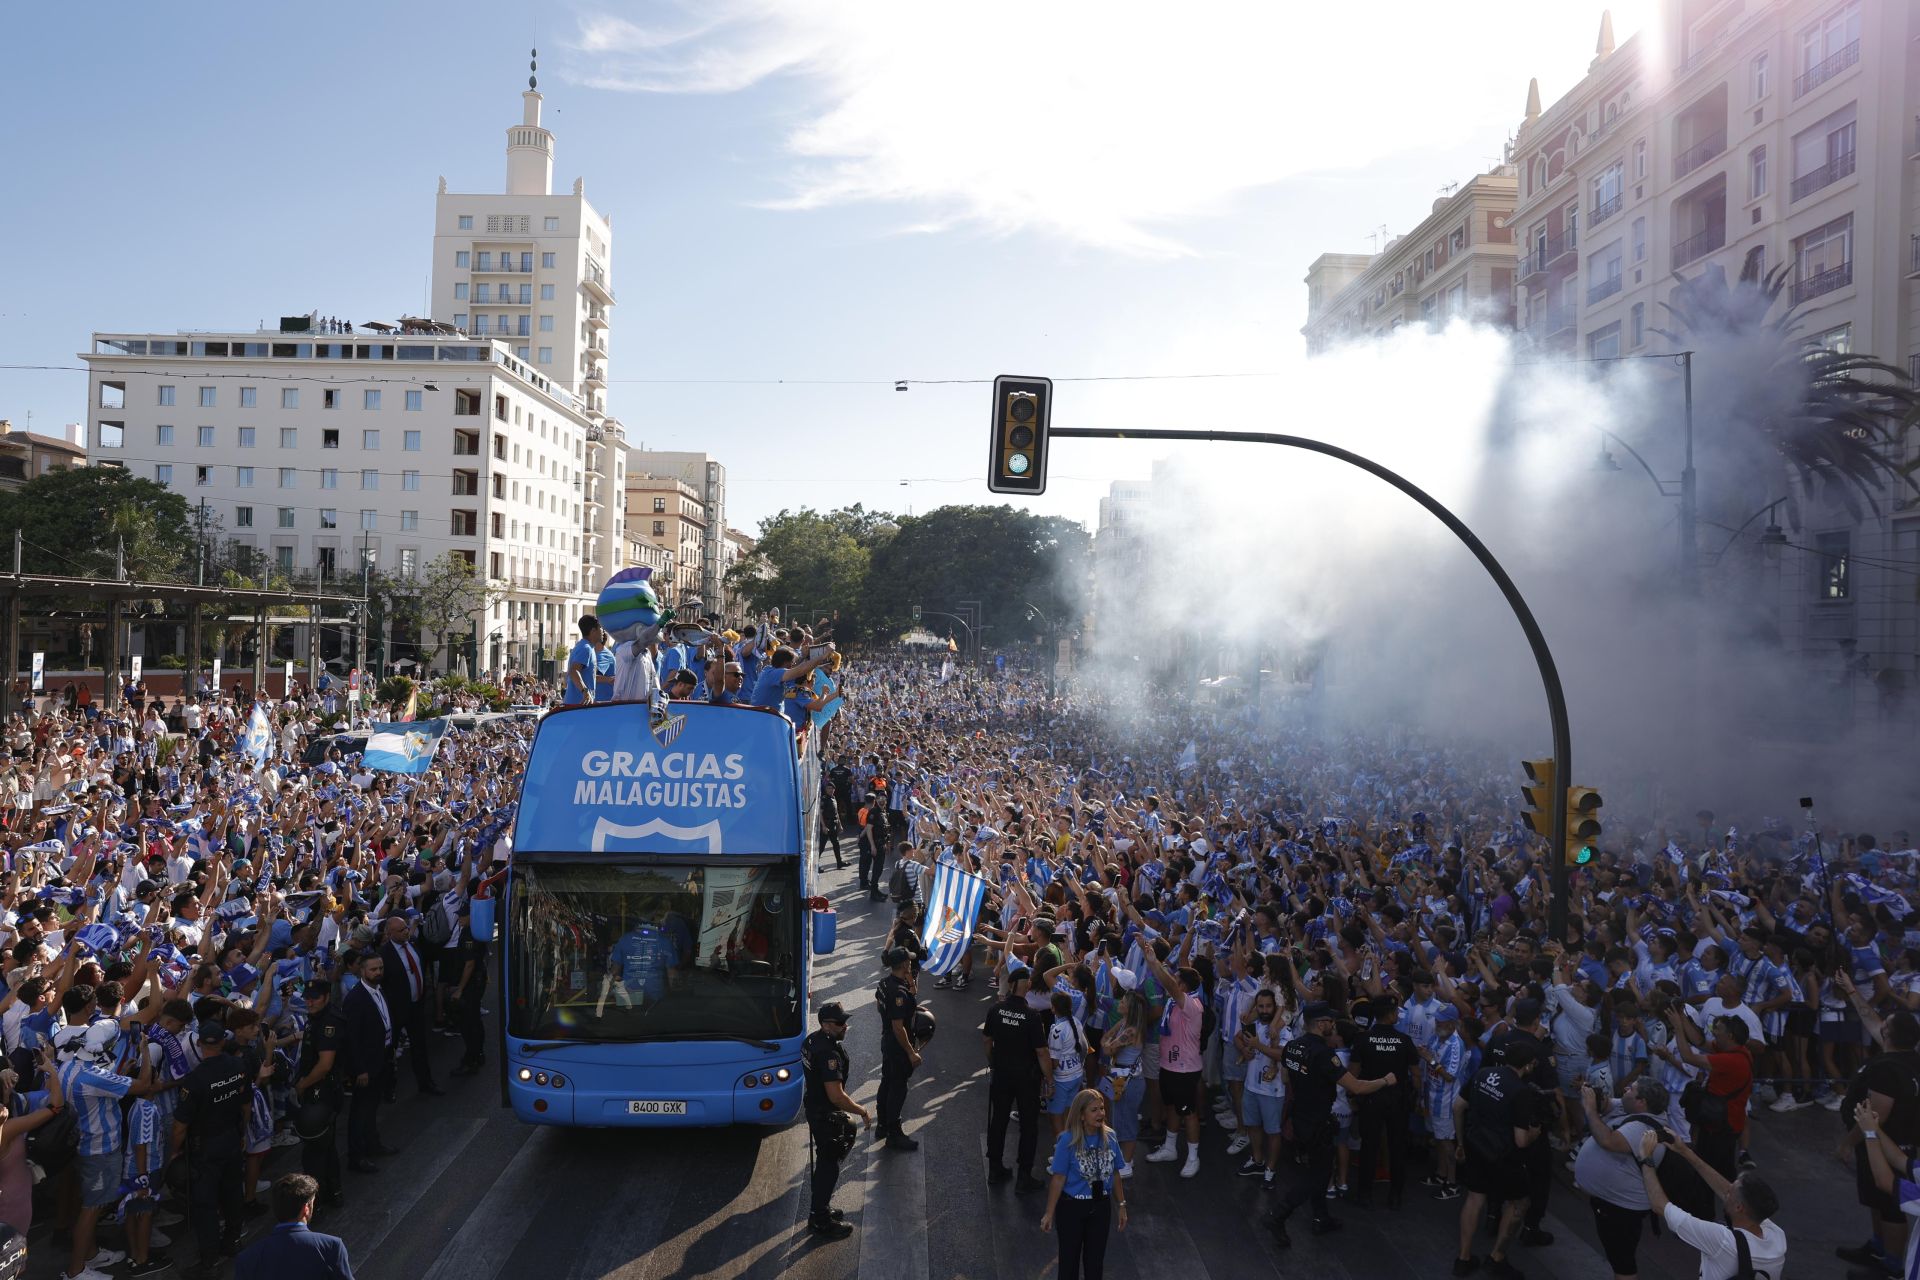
{"points": [[1110, 125]]}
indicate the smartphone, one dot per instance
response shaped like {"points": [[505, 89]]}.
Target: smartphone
{"points": [[1806, 802]]}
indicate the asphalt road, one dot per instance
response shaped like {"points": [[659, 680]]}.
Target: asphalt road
{"points": [[475, 1195]]}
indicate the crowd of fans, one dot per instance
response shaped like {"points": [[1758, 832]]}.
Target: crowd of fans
{"points": [[1336, 950]]}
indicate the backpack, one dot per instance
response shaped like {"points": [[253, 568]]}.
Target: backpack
{"points": [[435, 926], [899, 887]]}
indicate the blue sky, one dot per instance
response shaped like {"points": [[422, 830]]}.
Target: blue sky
{"points": [[834, 191]]}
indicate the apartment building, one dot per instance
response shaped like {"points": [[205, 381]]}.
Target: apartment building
{"points": [[1458, 262], [26, 454], [533, 270], [1761, 133], [737, 547], [319, 452], [708, 477], [670, 513]]}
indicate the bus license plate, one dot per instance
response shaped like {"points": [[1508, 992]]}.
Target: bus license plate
{"points": [[655, 1107]]}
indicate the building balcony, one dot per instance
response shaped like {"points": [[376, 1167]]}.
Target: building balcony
{"points": [[1825, 282], [1699, 153], [1606, 209], [594, 279], [1598, 293], [1550, 324], [1539, 261], [597, 318], [503, 269], [1825, 70], [1825, 176], [1695, 247]]}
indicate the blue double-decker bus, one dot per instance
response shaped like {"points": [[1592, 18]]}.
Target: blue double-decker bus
{"points": [[656, 930]]}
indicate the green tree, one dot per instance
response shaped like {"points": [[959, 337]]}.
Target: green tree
{"points": [[450, 592], [809, 560], [1027, 571], [74, 519], [1834, 417]]}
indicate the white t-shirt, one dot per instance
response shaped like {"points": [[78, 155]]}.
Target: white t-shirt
{"points": [[1719, 1257], [1067, 1043], [1715, 1007], [1259, 1064]]}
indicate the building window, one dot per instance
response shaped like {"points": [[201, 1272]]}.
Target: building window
{"points": [[415, 400], [1639, 314], [484, 262], [369, 399], [460, 292], [552, 224], [330, 437], [659, 504], [243, 517], [163, 473], [1609, 192], [112, 435], [166, 395], [283, 559], [1824, 154], [410, 481], [410, 441], [1640, 160], [466, 224], [330, 398], [370, 440], [409, 522], [243, 477], [369, 519], [249, 397], [369, 478], [461, 258], [286, 518], [329, 477], [289, 437], [499, 407], [1639, 239], [1757, 77], [409, 558], [1838, 340], [546, 324], [484, 292], [466, 403], [246, 437], [1831, 553], [329, 518], [289, 397], [547, 260], [526, 261], [206, 437], [163, 434], [203, 475], [546, 293], [1756, 173], [659, 528], [207, 398], [546, 355], [288, 478], [460, 321], [1828, 47], [1823, 259]]}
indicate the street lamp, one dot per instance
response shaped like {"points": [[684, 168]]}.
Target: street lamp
{"points": [[1685, 488]]}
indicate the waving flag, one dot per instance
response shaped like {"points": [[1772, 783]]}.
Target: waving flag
{"points": [[257, 741], [953, 911], [1190, 758], [404, 748]]}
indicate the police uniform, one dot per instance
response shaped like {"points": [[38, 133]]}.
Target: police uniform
{"points": [[320, 1154], [824, 1061], [1016, 1037], [897, 1007], [214, 1098], [1313, 1084], [1384, 1050]]}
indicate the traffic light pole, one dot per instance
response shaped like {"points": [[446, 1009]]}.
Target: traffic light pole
{"points": [[1536, 639]]}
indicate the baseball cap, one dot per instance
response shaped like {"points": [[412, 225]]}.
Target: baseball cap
{"points": [[895, 957], [1526, 1010], [832, 1011], [1316, 1011], [1126, 979], [1446, 1013]]}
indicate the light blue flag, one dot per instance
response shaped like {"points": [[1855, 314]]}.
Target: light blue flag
{"points": [[953, 912], [258, 739], [404, 748]]}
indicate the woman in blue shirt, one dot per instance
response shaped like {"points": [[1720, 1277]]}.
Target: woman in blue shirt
{"points": [[1086, 1162]]}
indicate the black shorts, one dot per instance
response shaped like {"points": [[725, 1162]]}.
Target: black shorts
{"points": [[1180, 1090], [1500, 1178], [1619, 1231], [1800, 1021]]}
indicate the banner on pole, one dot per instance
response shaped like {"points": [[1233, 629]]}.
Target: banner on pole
{"points": [[39, 671]]}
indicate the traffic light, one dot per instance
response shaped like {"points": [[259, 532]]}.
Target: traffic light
{"points": [[1017, 451], [1538, 815], [916, 613], [1583, 825]]}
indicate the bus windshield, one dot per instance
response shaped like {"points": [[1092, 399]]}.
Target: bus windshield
{"points": [[656, 950]]}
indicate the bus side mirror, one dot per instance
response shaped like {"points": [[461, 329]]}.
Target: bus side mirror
{"points": [[826, 929]]}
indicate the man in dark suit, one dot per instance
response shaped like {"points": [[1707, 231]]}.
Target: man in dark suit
{"points": [[369, 1057], [291, 1251], [407, 985]]}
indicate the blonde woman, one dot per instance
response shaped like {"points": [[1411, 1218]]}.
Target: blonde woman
{"points": [[1085, 1183]]}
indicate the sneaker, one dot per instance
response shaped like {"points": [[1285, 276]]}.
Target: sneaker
{"points": [[1192, 1166], [1252, 1168], [264, 1188], [87, 1273], [1240, 1143], [1831, 1102], [1787, 1102], [1504, 1269], [1126, 1170], [1266, 1181], [1746, 1160], [962, 982], [286, 1138], [1433, 1180], [1533, 1238], [1765, 1093], [1868, 1255], [1168, 1150], [153, 1266], [106, 1258], [1448, 1191], [942, 983], [830, 1229]]}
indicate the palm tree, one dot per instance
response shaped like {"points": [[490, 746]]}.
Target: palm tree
{"points": [[1835, 418]]}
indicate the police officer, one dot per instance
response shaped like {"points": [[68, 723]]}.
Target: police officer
{"points": [[1384, 1050], [317, 1088], [210, 1126], [825, 1065], [1314, 1079], [1016, 1043], [898, 1056]]}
